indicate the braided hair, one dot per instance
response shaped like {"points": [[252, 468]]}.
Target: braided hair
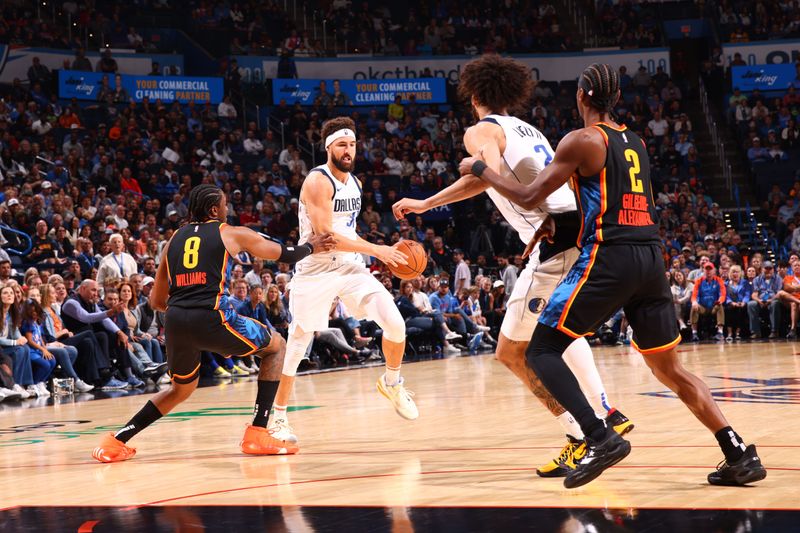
{"points": [[201, 200], [601, 82]]}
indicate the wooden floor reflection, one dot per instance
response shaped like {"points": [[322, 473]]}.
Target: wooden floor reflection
{"points": [[477, 442]]}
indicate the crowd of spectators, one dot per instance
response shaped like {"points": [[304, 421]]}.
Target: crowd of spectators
{"points": [[628, 24], [744, 299], [766, 128], [266, 28], [73, 25], [757, 20], [450, 27]]}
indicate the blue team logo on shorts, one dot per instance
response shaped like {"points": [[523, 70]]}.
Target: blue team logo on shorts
{"points": [[536, 305]]}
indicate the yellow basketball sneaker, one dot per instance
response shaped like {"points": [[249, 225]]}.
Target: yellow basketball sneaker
{"points": [[401, 398], [619, 422], [571, 453]]}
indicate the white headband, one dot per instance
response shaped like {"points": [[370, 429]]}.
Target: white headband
{"points": [[337, 134]]}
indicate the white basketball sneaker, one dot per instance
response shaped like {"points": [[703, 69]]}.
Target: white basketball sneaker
{"points": [[401, 398], [281, 430]]}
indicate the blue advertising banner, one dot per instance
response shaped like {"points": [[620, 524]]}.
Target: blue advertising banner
{"points": [[362, 92], [774, 77], [168, 89]]}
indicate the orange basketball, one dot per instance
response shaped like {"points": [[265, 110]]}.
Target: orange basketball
{"points": [[416, 257]]}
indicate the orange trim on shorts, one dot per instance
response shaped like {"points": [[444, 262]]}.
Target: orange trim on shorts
{"points": [[186, 376], [263, 326], [561, 327], [657, 349], [242, 338]]}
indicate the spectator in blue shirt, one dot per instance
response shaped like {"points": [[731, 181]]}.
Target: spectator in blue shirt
{"points": [[413, 317], [738, 292], [254, 307], [765, 298], [757, 153], [448, 305], [708, 297], [238, 294]]}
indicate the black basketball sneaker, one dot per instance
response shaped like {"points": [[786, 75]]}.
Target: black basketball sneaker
{"points": [[748, 469], [600, 455]]}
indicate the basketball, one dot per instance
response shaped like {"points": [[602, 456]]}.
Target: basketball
{"points": [[416, 257]]}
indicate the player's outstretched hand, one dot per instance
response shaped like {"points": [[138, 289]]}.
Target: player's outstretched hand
{"points": [[322, 243], [408, 205], [546, 231], [390, 255]]}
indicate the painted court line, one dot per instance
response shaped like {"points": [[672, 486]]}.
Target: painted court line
{"points": [[378, 476]]}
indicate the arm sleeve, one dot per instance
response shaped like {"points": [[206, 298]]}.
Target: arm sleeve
{"points": [[110, 325], [722, 291], [695, 290]]}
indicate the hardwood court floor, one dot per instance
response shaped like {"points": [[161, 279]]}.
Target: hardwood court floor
{"points": [[479, 438]]}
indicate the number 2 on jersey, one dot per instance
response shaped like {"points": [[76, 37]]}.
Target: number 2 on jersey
{"points": [[191, 252], [633, 158], [548, 156]]}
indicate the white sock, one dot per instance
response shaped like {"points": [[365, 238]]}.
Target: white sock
{"points": [[570, 425], [278, 413], [580, 361], [392, 376]]}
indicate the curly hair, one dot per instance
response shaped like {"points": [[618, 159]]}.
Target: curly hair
{"points": [[498, 83], [336, 124], [601, 83]]}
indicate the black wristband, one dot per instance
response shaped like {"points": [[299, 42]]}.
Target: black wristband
{"points": [[293, 254], [478, 167]]}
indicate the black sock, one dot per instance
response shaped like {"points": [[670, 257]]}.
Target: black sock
{"points": [[146, 416], [264, 398], [544, 357], [731, 443]]}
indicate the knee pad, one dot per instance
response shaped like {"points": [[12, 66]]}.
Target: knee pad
{"points": [[381, 308], [394, 329], [296, 347]]}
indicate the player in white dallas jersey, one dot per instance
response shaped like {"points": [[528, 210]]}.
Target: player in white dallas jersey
{"points": [[330, 202], [518, 152]]}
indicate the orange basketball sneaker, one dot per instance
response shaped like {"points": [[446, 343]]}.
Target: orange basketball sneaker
{"points": [[259, 441], [112, 450]]}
